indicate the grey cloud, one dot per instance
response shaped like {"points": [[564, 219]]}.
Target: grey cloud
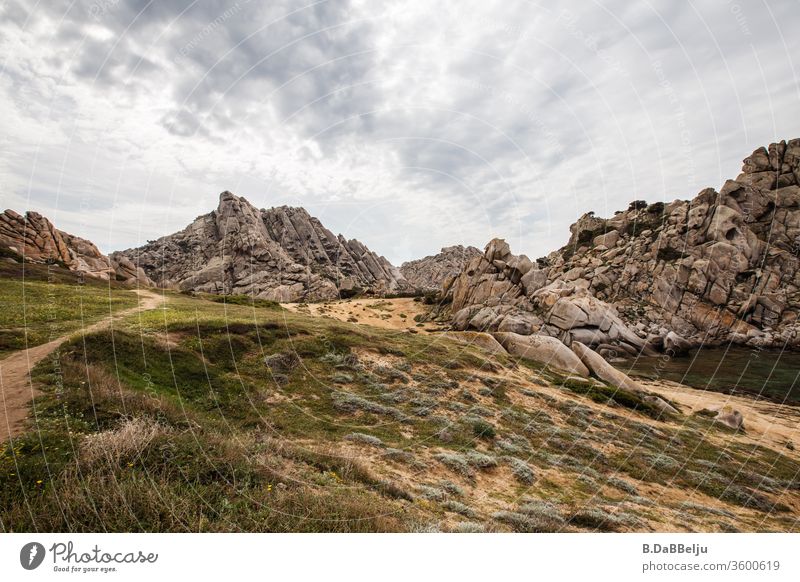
{"points": [[513, 123]]}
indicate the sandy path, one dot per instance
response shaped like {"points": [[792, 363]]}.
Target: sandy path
{"points": [[383, 313], [16, 387]]}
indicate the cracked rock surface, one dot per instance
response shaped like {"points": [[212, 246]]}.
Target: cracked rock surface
{"points": [[722, 267], [282, 254]]}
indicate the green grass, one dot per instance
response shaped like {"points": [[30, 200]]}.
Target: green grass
{"points": [[37, 310], [246, 300]]}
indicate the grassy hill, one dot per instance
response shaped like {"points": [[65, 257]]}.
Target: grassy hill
{"points": [[41, 303], [234, 416]]}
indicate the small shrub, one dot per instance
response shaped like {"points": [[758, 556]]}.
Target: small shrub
{"points": [[524, 523], [451, 488], [544, 512], [365, 439], [431, 493], [458, 507], [480, 460], [468, 527], [483, 429], [122, 443], [456, 463], [690, 506], [392, 374], [282, 362], [521, 470], [398, 455], [339, 360], [623, 485], [597, 519], [664, 462], [348, 402]]}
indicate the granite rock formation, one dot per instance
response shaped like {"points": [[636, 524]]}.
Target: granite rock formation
{"points": [[34, 239], [720, 268], [430, 273], [282, 254]]}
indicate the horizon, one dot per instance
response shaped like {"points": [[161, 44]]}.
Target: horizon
{"points": [[408, 128]]}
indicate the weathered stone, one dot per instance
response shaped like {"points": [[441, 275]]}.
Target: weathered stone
{"points": [[34, 239], [482, 341], [608, 240], [533, 280], [430, 273], [282, 254], [603, 370], [727, 415], [676, 345], [543, 349], [711, 269]]}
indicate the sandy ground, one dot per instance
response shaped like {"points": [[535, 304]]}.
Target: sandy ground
{"points": [[766, 423], [16, 387], [397, 314]]}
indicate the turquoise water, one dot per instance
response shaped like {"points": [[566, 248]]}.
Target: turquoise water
{"points": [[770, 374]]}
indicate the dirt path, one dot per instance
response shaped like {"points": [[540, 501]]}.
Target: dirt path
{"points": [[16, 388]]}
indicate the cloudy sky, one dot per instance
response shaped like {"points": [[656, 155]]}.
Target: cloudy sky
{"points": [[409, 125]]}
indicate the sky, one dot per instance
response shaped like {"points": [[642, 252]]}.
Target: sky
{"points": [[408, 125]]}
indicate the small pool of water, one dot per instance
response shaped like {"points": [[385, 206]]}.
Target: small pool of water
{"points": [[771, 374]]}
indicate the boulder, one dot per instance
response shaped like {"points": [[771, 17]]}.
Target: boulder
{"points": [[431, 273], [544, 349], [730, 417], [595, 363], [609, 374], [608, 240], [518, 323], [483, 341], [533, 280], [676, 345]]}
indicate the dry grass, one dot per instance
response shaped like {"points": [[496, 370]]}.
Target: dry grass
{"points": [[126, 442]]}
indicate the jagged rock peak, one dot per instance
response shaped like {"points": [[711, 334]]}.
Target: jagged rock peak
{"points": [[430, 273], [722, 267], [282, 253]]}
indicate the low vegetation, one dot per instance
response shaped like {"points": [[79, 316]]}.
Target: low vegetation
{"points": [[49, 302], [240, 416]]}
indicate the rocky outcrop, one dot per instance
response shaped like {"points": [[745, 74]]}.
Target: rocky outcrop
{"points": [[34, 239], [603, 370], [503, 292], [609, 374], [722, 267], [430, 273], [282, 254], [482, 341], [544, 349]]}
